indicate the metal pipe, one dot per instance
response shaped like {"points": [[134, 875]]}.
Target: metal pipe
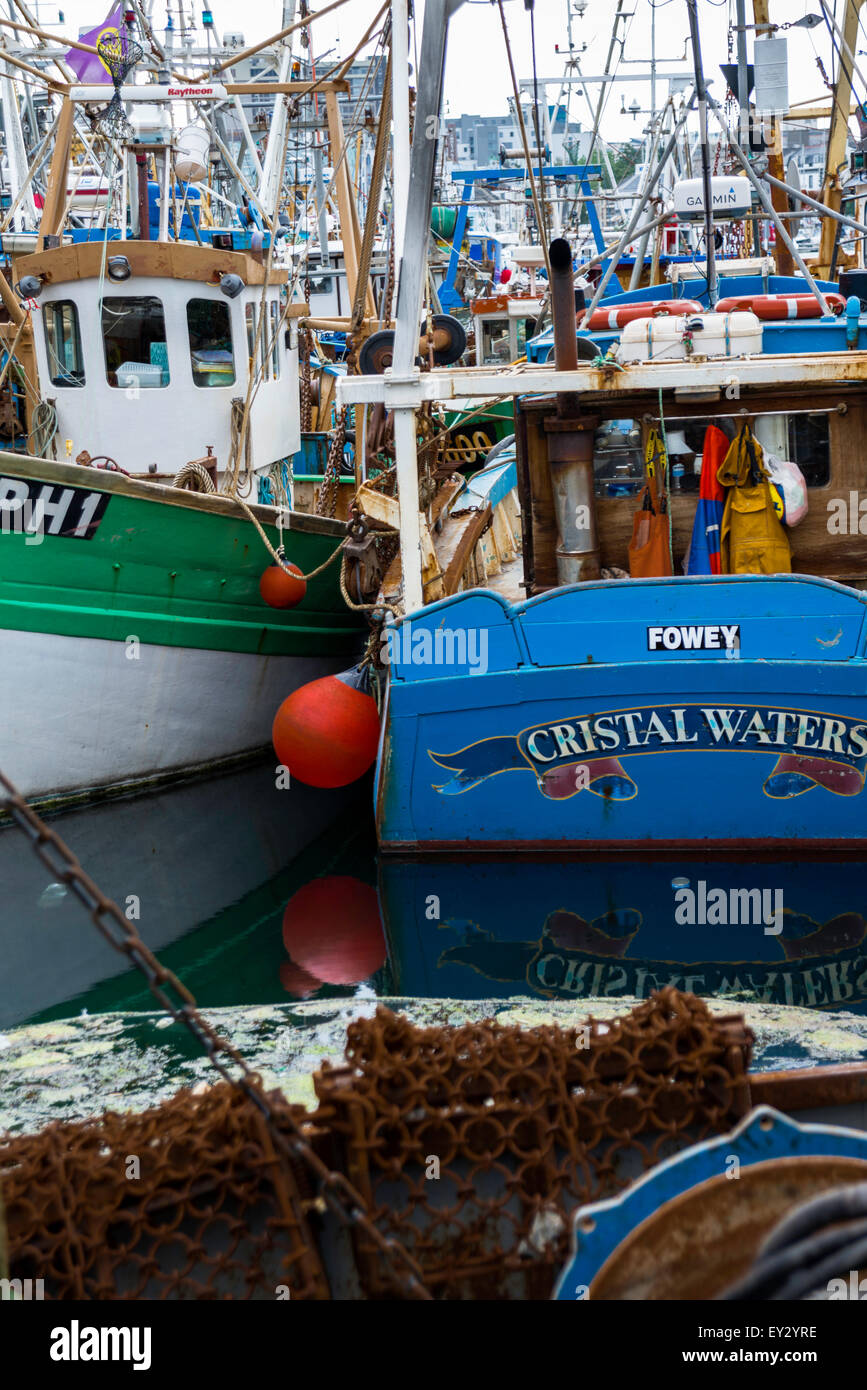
{"points": [[563, 306], [641, 250], [321, 210], [570, 437], [410, 285], [144, 231], [744, 414], [400, 153], [743, 75], [814, 203]]}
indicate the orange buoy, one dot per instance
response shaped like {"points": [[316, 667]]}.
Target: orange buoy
{"points": [[332, 930], [327, 732], [282, 590]]}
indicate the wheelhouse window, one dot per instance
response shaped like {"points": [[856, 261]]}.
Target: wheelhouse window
{"points": [[251, 315], [810, 447], [618, 454], [210, 331], [526, 329], [496, 341], [134, 336], [63, 343], [321, 284], [618, 459], [274, 330], [267, 359]]}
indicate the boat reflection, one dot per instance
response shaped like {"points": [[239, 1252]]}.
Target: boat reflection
{"points": [[782, 933], [202, 869]]}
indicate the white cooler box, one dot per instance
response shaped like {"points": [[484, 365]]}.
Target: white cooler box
{"points": [[676, 337], [141, 374]]}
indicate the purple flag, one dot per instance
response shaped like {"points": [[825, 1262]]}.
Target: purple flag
{"points": [[88, 67]]}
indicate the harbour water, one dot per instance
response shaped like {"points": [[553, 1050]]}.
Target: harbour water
{"points": [[254, 895]]}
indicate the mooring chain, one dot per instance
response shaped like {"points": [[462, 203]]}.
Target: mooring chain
{"points": [[326, 501], [334, 1188], [306, 380]]}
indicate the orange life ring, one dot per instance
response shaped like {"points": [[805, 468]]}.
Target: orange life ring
{"points": [[781, 306], [626, 313]]}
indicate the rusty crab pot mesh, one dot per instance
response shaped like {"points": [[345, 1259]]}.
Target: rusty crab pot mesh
{"points": [[188, 1200], [470, 1147]]}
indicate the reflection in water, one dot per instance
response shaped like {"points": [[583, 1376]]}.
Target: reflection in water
{"points": [[253, 895], [203, 870], [333, 933], [783, 933]]}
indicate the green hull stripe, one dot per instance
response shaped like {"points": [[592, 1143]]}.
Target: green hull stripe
{"points": [[211, 634], [177, 577]]}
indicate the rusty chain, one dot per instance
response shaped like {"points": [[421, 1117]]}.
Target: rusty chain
{"points": [[306, 389], [326, 498], [341, 1197]]}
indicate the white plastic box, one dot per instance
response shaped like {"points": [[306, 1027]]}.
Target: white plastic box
{"points": [[141, 374], [675, 337]]}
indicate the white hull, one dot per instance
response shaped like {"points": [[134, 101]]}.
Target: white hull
{"points": [[81, 713]]}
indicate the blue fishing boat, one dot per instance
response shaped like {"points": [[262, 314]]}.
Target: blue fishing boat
{"points": [[554, 685], [678, 710], [623, 715]]}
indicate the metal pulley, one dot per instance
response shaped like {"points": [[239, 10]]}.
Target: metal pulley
{"points": [[449, 340], [360, 548], [449, 344], [376, 353]]}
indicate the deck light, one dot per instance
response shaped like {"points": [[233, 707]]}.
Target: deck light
{"points": [[231, 286], [118, 268], [29, 287]]}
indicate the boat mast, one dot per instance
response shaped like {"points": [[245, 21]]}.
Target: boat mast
{"points": [[838, 133], [411, 277], [701, 93], [400, 122]]}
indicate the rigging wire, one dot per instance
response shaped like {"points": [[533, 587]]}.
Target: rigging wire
{"points": [[543, 230]]}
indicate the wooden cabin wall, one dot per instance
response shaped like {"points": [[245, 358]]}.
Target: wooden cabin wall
{"points": [[305, 497], [816, 549]]}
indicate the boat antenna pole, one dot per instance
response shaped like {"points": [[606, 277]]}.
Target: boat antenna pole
{"points": [[701, 93]]}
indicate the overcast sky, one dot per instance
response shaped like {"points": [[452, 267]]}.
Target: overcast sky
{"points": [[477, 76]]}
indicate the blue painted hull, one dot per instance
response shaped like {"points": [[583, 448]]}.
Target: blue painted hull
{"points": [[589, 718], [464, 928]]}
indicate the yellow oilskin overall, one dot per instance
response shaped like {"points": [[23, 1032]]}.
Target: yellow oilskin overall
{"points": [[753, 539]]}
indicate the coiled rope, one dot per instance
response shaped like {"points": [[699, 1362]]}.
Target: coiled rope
{"points": [[43, 430], [194, 478], [821, 1239]]}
